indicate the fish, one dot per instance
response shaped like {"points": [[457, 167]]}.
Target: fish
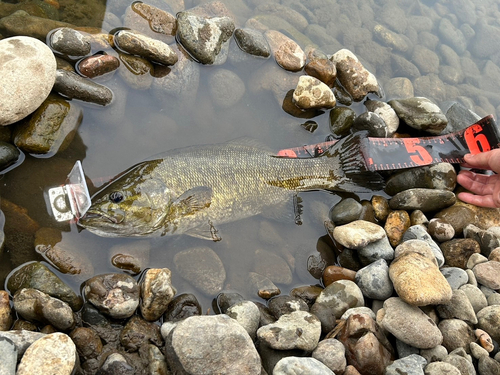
{"points": [[195, 189]]}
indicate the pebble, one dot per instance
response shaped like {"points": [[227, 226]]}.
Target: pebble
{"points": [[9, 356], [138, 332], [323, 69], [387, 114], [272, 266], [97, 66], [459, 307], [157, 292], [377, 250], [181, 307], [371, 122], [331, 353], [282, 305], [74, 86], [440, 368], [489, 321], [488, 274], [6, 317], [156, 360], [425, 200], [476, 259], [301, 366], [265, 288], [311, 93], [87, 341], [340, 296], [151, 21], [374, 281], [345, 211], [116, 363], [296, 330], [456, 334], [335, 273], [190, 347], [202, 268], [358, 234], [341, 120], [252, 42], [420, 113], [440, 230], [114, 294], [396, 224], [202, 37], [70, 42], [409, 324], [463, 364], [226, 88], [286, 51], [476, 297], [27, 62], [411, 365], [485, 340], [247, 314], [353, 76], [487, 240], [52, 354], [436, 354], [458, 251]]}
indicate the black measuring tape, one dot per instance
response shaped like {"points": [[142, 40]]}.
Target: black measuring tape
{"points": [[382, 154]]}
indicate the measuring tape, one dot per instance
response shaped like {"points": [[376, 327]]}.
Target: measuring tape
{"points": [[382, 154]]}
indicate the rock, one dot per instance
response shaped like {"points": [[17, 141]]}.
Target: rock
{"points": [[323, 69], [116, 363], [377, 250], [419, 232], [371, 122], [226, 88], [70, 42], [391, 39], [87, 341], [202, 268], [455, 276], [26, 63], [341, 120], [340, 296], [127, 262], [399, 88], [438, 353], [282, 305], [425, 59], [37, 306], [441, 368], [286, 51], [51, 354], [463, 364], [296, 330], [374, 281], [331, 353], [156, 293], [353, 76], [458, 251], [345, 211], [151, 21], [190, 347], [441, 230], [416, 246], [489, 319], [358, 234], [417, 280], [411, 365], [74, 86], [425, 200], [114, 294], [156, 360], [456, 334], [252, 42], [476, 297], [9, 155], [311, 93], [387, 114], [488, 274], [287, 13], [9, 356], [35, 275], [136, 71], [487, 240], [301, 366], [272, 266], [203, 37], [181, 307], [247, 314], [488, 366], [265, 288], [367, 348], [396, 224], [50, 129], [335, 273], [420, 113], [138, 332], [459, 307], [5, 311], [225, 300], [409, 324]]}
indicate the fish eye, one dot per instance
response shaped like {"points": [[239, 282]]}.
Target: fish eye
{"points": [[116, 197]]}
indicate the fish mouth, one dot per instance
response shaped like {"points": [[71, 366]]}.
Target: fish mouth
{"points": [[93, 215]]}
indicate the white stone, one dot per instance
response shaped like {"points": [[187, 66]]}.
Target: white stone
{"points": [[27, 74]]}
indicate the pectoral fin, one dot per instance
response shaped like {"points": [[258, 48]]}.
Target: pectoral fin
{"points": [[194, 200]]}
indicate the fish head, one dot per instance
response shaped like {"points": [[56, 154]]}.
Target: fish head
{"points": [[135, 204]]}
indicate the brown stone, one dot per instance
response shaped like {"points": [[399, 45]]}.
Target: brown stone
{"points": [[396, 225], [5, 311], [287, 52], [457, 252], [488, 274], [322, 69], [98, 65], [335, 273]]}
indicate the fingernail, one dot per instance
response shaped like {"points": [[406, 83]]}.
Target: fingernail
{"points": [[468, 156]]}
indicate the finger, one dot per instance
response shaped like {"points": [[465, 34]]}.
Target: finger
{"points": [[484, 160], [477, 200], [476, 183]]}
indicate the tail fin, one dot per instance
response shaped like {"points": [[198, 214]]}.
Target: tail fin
{"points": [[349, 151]]}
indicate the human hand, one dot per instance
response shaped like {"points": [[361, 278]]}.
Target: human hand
{"points": [[484, 189]]}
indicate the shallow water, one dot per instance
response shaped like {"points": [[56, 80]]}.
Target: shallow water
{"points": [[108, 143]]}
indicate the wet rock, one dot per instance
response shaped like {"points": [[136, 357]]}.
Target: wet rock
{"points": [[420, 113], [156, 360], [70, 42], [374, 281], [301, 366], [22, 23], [366, 346], [440, 230], [372, 123], [116, 363], [409, 324], [190, 347], [331, 353], [456, 334], [138, 332], [346, 211], [37, 276], [51, 128], [425, 200], [37, 306], [22, 339], [74, 86], [396, 224], [387, 114], [381, 207], [126, 262], [340, 296], [272, 266], [247, 314], [439, 176], [458, 216], [265, 288], [294, 17], [27, 62], [353, 76], [156, 293], [296, 330], [181, 307], [391, 39], [5, 311], [203, 37], [417, 280], [311, 93], [151, 21], [252, 42], [425, 59], [341, 120], [97, 65], [51, 354], [458, 251], [488, 274], [87, 341], [9, 155], [287, 52], [358, 234], [452, 36], [335, 273], [226, 88], [282, 305], [459, 307], [202, 268], [114, 294]]}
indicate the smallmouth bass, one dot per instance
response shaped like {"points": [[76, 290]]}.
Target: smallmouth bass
{"points": [[194, 189]]}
